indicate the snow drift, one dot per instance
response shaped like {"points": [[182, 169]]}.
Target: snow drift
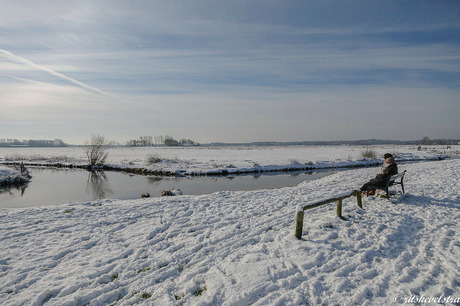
{"points": [[238, 248]]}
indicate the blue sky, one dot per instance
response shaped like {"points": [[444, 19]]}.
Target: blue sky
{"points": [[231, 71]]}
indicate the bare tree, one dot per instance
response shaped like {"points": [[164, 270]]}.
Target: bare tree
{"points": [[426, 141], [96, 150]]}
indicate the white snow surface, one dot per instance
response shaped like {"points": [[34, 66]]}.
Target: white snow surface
{"points": [[234, 159], [9, 176], [239, 248]]}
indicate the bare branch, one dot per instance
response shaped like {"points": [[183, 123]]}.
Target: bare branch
{"points": [[96, 150]]}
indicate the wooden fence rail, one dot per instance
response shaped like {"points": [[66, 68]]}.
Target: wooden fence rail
{"points": [[337, 198]]}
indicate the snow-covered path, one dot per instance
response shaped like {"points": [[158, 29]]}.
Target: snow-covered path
{"points": [[238, 248]]}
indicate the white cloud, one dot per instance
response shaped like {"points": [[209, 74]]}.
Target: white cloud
{"points": [[239, 69], [31, 64]]}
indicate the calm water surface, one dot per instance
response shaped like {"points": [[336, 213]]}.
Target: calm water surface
{"points": [[56, 186]]}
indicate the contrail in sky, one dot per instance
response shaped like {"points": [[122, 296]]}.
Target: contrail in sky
{"points": [[27, 62]]}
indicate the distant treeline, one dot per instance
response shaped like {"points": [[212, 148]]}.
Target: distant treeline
{"points": [[148, 141], [425, 141], [7, 142]]}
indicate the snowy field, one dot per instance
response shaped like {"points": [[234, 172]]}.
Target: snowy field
{"points": [[214, 160], [239, 248]]}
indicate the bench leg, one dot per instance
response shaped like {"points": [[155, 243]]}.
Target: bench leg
{"points": [[359, 199], [339, 208], [299, 225]]}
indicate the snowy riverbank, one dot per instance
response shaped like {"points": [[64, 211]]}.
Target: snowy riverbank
{"points": [[10, 177], [238, 248], [224, 160]]}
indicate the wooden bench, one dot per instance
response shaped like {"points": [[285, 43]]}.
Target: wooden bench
{"points": [[338, 198], [396, 179]]}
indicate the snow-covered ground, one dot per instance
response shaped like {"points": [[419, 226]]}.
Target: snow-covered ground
{"points": [[239, 248], [215, 160], [10, 177]]}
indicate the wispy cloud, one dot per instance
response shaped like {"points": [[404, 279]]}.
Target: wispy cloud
{"points": [[198, 67], [31, 64]]}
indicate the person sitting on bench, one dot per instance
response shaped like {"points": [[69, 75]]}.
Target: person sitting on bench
{"points": [[380, 179], [385, 165]]}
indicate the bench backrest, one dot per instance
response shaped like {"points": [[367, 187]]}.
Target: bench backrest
{"points": [[399, 176]]}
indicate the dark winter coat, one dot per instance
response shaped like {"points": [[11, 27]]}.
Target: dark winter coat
{"points": [[388, 171], [379, 180]]}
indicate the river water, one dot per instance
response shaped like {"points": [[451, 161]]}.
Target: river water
{"points": [[51, 186]]}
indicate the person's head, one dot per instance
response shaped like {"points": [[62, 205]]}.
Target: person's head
{"points": [[387, 155], [389, 160]]}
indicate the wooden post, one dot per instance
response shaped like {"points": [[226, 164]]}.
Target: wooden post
{"points": [[359, 199], [299, 225], [311, 205], [339, 208]]}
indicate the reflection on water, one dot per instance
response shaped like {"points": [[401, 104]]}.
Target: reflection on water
{"points": [[98, 184], [11, 189], [54, 186]]}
